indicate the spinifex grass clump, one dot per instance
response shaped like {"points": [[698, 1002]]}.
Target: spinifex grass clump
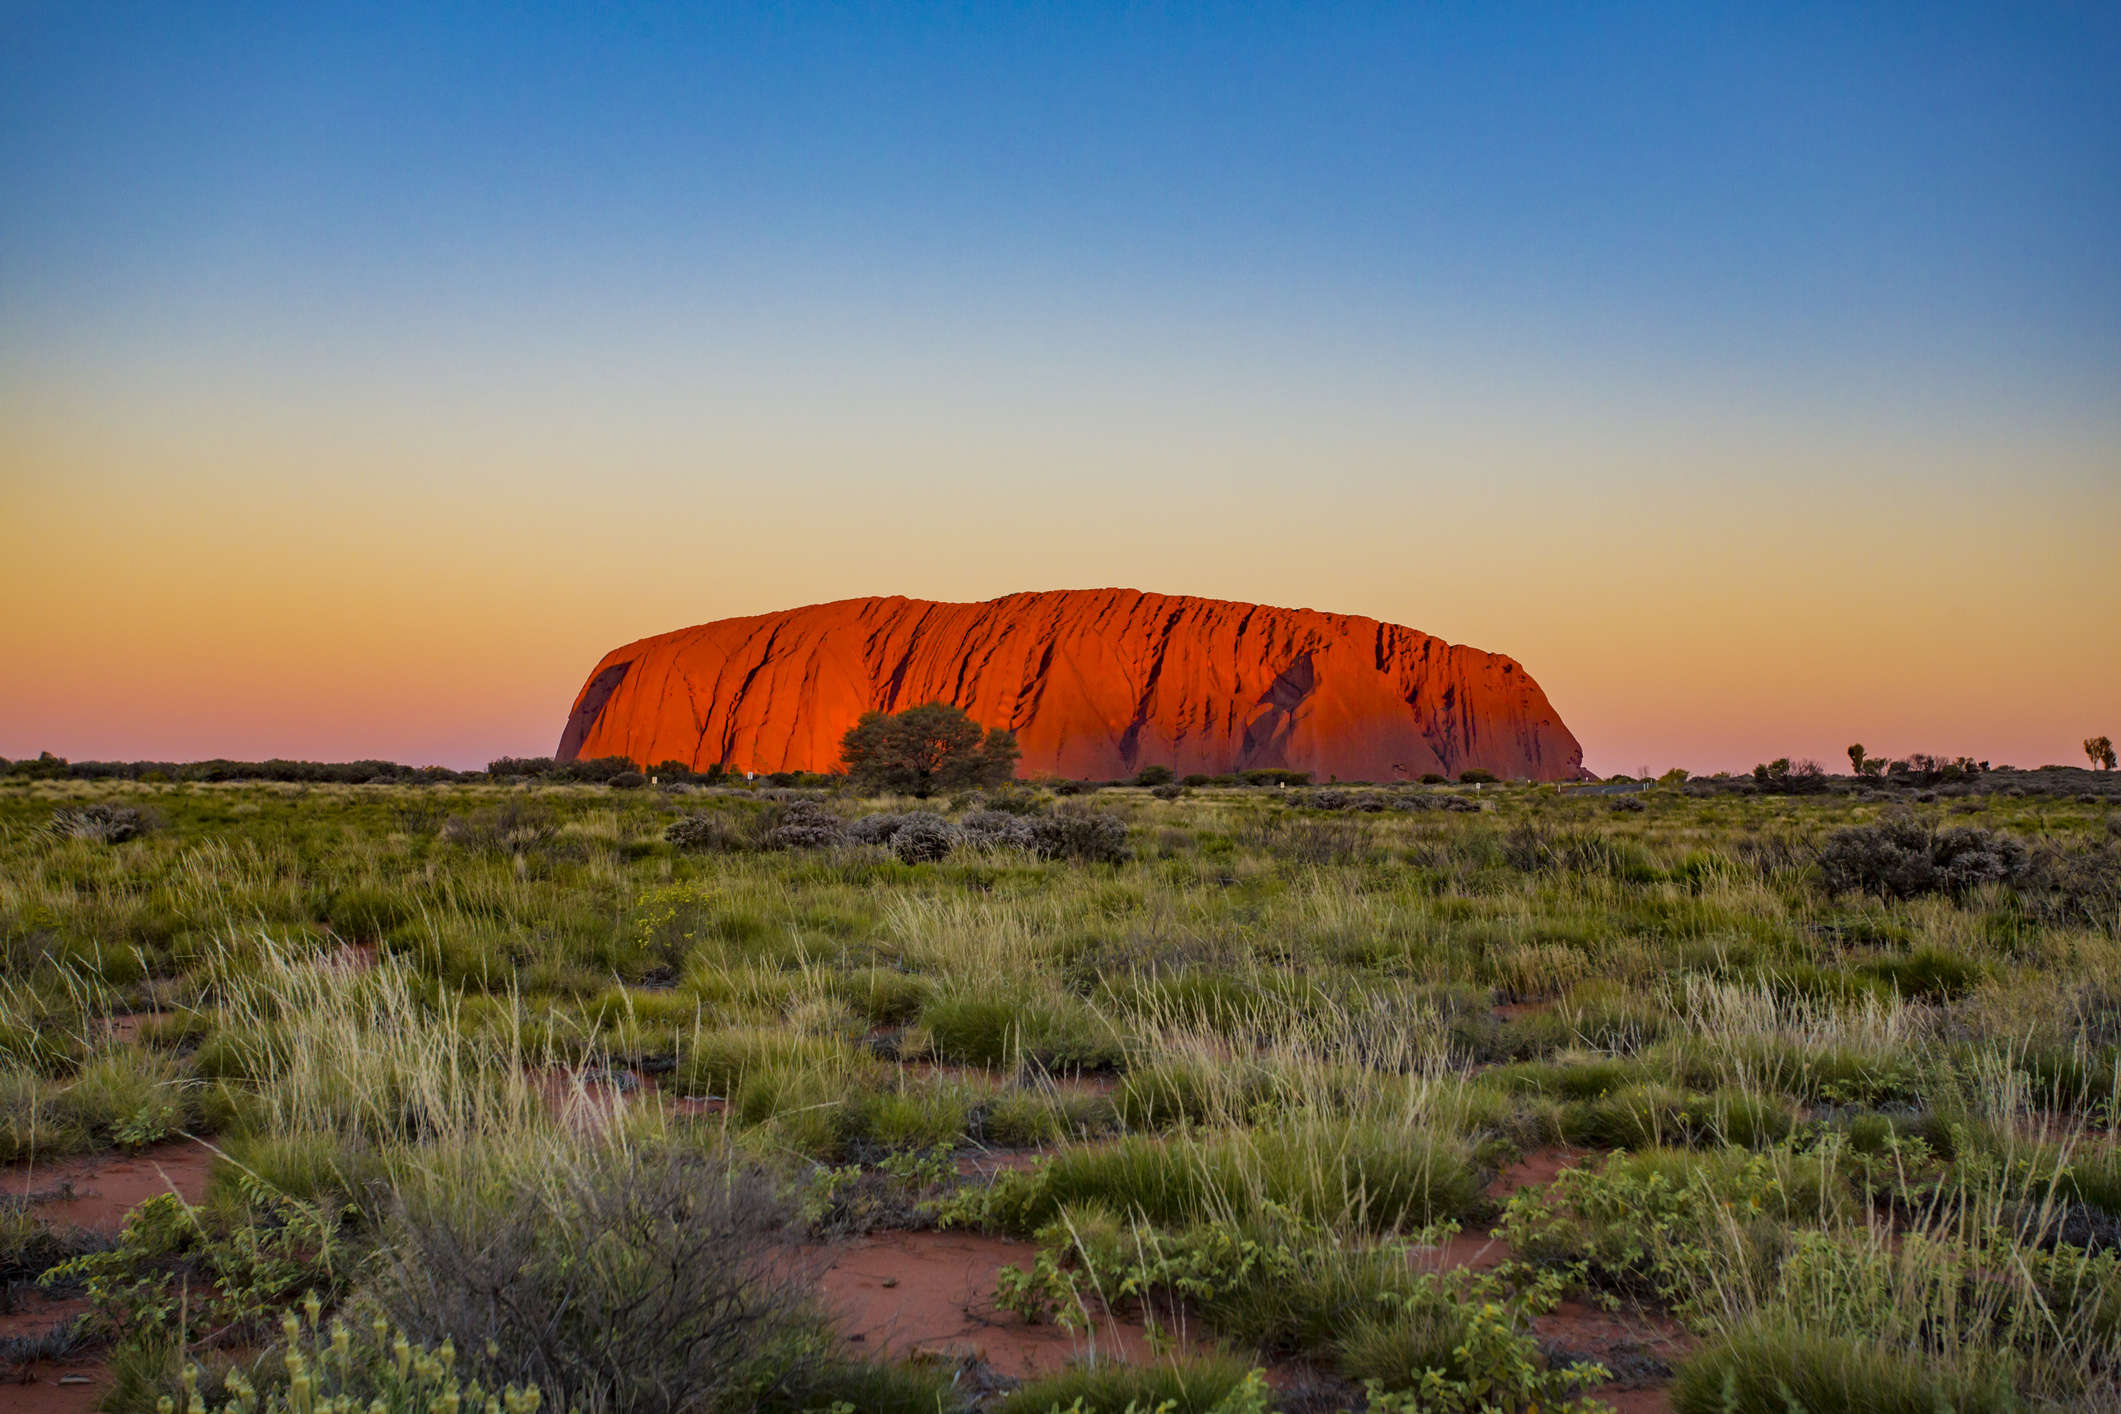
{"points": [[1359, 1175], [1263, 1049]]}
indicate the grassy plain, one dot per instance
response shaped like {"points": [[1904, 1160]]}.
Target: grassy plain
{"points": [[1849, 1152]]}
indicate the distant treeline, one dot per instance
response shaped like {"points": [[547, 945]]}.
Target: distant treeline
{"points": [[619, 770], [606, 770], [57, 768]]}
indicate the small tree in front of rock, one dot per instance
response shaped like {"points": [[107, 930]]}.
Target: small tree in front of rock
{"points": [[2101, 751], [924, 749]]}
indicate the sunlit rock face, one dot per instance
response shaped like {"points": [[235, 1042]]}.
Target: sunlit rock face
{"points": [[1096, 684]]}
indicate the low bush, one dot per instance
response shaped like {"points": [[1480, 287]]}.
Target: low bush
{"points": [[2075, 886], [319, 1169], [32, 1126], [1216, 1385], [103, 822], [999, 1029], [1927, 974], [1656, 1116], [1776, 1367], [883, 995], [715, 831], [1366, 1177], [642, 1283], [717, 1062], [921, 837], [1901, 857], [513, 827], [1086, 836], [805, 824], [129, 1098], [998, 829]]}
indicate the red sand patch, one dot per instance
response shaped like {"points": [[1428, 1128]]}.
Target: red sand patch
{"points": [[906, 1293], [1635, 1345], [105, 1187], [37, 1388], [1475, 1251], [1536, 1170]]}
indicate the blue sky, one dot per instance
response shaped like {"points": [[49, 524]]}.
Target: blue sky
{"points": [[1757, 186]]}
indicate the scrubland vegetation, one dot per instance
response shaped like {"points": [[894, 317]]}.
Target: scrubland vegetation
{"points": [[549, 1094]]}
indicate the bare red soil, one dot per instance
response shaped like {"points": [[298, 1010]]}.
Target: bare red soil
{"points": [[931, 1294], [94, 1191]]}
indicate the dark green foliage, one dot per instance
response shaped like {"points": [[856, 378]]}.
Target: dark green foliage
{"points": [[648, 1283], [1087, 836], [1775, 1369], [1928, 974], [364, 914], [1902, 857], [1786, 777], [924, 749], [716, 831], [1378, 1180], [1193, 1388], [828, 1382], [2075, 886], [998, 1029]]}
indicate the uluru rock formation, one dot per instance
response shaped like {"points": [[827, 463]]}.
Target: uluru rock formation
{"points": [[1096, 684]]}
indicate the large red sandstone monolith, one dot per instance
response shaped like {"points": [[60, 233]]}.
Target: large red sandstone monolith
{"points": [[1096, 683]]}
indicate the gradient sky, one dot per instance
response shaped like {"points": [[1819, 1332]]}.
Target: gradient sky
{"points": [[1751, 375]]}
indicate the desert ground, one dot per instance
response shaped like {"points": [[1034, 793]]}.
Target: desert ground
{"points": [[1697, 1095]]}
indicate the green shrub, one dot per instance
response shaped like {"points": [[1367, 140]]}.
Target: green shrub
{"points": [[646, 1281], [910, 1119], [828, 1382], [32, 1125], [1586, 1081], [365, 914], [635, 1023], [718, 1061], [244, 1052], [129, 1097], [1368, 1177], [311, 1168], [1004, 1030], [1215, 1385], [37, 1044], [1188, 1089], [2072, 1079], [885, 996], [1836, 1074], [1778, 1367], [1927, 974], [1654, 1116]]}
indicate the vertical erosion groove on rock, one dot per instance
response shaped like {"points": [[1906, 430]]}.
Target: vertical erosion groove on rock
{"points": [[1096, 684]]}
